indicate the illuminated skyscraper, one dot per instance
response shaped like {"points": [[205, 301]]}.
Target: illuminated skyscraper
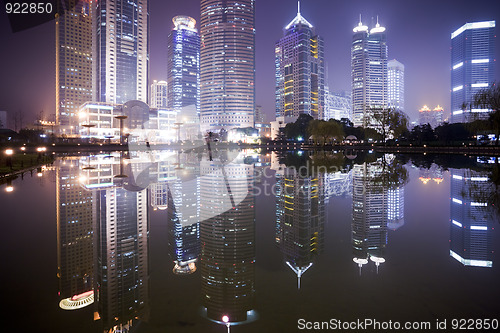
{"points": [[183, 65], [227, 64], [158, 94], [432, 117], [471, 224], [121, 50], [396, 85], [472, 67], [368, 71], [73, 62], [300, 73]]}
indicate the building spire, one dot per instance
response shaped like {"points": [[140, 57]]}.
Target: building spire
{"points": [[298, 7]]}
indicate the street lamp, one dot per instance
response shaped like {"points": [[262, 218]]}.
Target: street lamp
{"points": [[9, 152], [225, 319]]}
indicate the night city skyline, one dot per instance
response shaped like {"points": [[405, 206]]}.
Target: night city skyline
{"points": [[418, 35]]}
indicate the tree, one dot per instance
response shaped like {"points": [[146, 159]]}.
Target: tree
{"points": [[293, 131], [325, 131], [489, 98], [388, 122]]}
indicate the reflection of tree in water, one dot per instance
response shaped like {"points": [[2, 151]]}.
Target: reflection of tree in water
{"points": [[477, 166], [392, 174]]}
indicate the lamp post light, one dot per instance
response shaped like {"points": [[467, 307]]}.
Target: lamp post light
{"points": [[225, 319], [121, 119], [9, 152]]}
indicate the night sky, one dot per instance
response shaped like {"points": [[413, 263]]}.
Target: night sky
{"points": [[418, 35]]}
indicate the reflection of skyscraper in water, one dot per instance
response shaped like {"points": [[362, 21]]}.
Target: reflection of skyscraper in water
{"points": [[369, 215], [227, 239], [75, 260], [471, 220], [300, 218], [183, 216], [396, 207], [120, 210]]}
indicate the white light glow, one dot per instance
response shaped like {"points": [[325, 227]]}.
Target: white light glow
{"points": [[471, 262], [458, 88], [479, 85], [458, 224], [457, 177], [457, 201], [479, 61], [475, 25], [460, 64], [479, 179], [457, 112], [478, 227], [479, 204]]}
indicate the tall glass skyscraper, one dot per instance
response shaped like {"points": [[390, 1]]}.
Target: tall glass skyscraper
{"points": [[368, 71], [300, 73], [227, 64], [73, 62], [121, 50], [183, 65], [396, 84], [472, 67]]}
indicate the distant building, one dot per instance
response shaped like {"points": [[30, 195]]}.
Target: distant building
{"points": [[183, 65], [141, 123], [260, 117], [73, 61], [158, 94], [396, 85], [432, 117], [472, 68], [369, 71], [300, 73], [337, 105]]}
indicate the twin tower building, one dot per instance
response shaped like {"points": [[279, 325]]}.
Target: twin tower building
{"points": [[103, 56]]}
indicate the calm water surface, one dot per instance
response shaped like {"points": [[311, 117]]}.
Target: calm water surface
{"points": [[173, 241]]}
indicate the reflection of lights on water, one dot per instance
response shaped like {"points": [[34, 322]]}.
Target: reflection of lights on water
{"points": [[9, 189]]}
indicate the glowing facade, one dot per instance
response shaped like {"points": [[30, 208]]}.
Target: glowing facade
{"points": [[299, 71], [227, 64], [396, 85], [121, 50], [183, 65], [432, 117], [368, 72], [73, 62], [158, 94], [472, 68]]}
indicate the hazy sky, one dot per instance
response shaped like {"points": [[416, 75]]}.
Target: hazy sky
{"points": [[418, 35]]}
